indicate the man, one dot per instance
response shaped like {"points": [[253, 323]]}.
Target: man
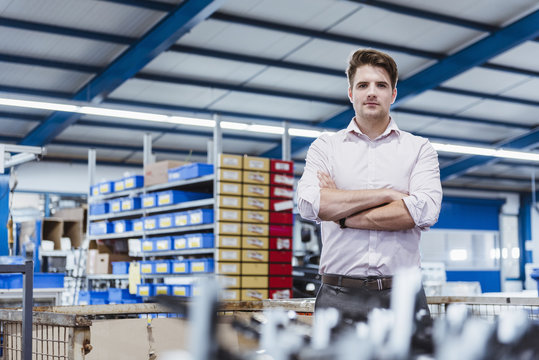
{"points": [[374, 188]]}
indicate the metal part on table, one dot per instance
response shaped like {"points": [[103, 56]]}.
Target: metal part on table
{"points": [[484, 307]]}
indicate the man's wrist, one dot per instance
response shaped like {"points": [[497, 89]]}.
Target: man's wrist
{"points": [[342, 223]]}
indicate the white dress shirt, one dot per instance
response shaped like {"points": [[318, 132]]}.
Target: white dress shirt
{"points": [[396, 160]]}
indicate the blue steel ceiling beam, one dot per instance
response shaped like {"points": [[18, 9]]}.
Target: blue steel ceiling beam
{"points": [[240, 88], [158, 39], [192, 50], [428, 15], [474, 55], [310, 33], [463, 164], [66, 31], [482, 95]]}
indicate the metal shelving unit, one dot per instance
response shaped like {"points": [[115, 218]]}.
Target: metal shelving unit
{"points": [[206, 182]]}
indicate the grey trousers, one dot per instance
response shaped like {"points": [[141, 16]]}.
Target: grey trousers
{"points": [[356, 303]]}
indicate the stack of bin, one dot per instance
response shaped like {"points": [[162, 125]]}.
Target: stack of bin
{"points": [[255, 227]]}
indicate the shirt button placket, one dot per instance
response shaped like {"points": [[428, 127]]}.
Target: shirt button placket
{"points": [[370, 185]]}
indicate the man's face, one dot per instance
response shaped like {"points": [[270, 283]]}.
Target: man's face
{"points": [[371, 93]]}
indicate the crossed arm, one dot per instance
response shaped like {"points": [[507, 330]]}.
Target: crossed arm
{"points": [[373, 209]]}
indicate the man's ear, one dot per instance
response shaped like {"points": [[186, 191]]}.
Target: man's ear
{"points": [[394, 96], [350, 95]]}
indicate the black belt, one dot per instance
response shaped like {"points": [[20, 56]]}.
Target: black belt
{"points": [[371, 283]]}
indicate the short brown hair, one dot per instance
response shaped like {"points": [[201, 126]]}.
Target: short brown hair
{"points": [[374, 58]]}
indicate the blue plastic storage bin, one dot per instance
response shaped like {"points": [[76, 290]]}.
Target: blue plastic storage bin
{"points": [[147, 267], [132, 203], [165, 221], [122, 226], [120, 267], [99, 209], [181, 218], [200, 216], [179, 242], [162, 243], [181, 267], [115, 205], [190, 171], [149, 200], [119, 185], [134, 182], [106, 187], [171, 197], [122, 296], [161, 289], [138, 224], [94, 190], [148, 244], [151, 222], [535, 276], [100, 228], [93, 297], [200, 240], [180, 290], [145, 290], [201, 265], [41, 280], [162, 266]]}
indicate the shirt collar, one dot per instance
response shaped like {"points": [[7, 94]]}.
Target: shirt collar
{"points": [[391, 127]]}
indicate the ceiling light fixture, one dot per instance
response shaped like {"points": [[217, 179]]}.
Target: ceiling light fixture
{"points": [[82, 108], [475, 150]]}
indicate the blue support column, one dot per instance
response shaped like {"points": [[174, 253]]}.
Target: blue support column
{"points": [[4, 212]]}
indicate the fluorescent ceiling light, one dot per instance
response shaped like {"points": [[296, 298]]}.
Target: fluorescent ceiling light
{"points": [[81, 108], [39, 105], [182, 120], [137, 115], [304, 132], [475, 150], [267, 129], [234, 125]]}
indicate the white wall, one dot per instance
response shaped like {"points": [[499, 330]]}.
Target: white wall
{"points": [[64, 177]]}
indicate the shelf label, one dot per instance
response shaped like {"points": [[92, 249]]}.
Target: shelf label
{"points": [[180, 220], [179, 243]]}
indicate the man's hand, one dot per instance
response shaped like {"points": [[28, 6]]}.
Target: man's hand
{"points": [[325, 181]]}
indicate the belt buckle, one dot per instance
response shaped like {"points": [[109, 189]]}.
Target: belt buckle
{"points": [[379, 283]]}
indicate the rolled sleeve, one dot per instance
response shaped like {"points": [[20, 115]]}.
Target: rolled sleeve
{"points": [[425, 199], [308, 190]]}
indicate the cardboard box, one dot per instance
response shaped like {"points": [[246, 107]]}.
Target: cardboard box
{"points": [[256, 163], [281, 218], [280, 294], [229, 282], [280, 256], [254, 203], [229, 215], [253, 294], [74, 214], [228, 268], [229, 295], [256, 190], [223, 241], [255, 229], [157, 173], [73, 231], [253, 216], [254, 242], [280, 192], [280, 243], [229, 228], [229, 175], [254, 282], [228, 255], [230, 161], [276, 282], [229, 188], [256, 177], [230, 202], [282, 180], [256, 269], [104, 262], [281, 166], [252, 255], [52, 229]]}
